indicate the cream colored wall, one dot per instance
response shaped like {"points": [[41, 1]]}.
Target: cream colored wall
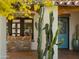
{"points": [[74, 19], [3, 37], [34, 44]]}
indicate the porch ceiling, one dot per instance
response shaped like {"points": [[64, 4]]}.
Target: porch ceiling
{"points": [[67, 9]]}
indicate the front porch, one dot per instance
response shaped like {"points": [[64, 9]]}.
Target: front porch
{"points": [[71, 14], [20, 39]]}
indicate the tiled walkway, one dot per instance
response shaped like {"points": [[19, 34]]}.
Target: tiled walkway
{"points": [[63, 54], [22, 55], [66, 54]]}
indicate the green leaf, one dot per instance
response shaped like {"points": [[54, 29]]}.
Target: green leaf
{"points": [[55, 37], [36, 25], [60, 42]]}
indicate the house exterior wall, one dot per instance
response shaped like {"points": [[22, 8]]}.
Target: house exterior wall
{"points": [[34, 44], [3, 38], [74, 19]]}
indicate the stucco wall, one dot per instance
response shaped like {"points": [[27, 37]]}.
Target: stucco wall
{"points": [[2, 38], [74, 19]]}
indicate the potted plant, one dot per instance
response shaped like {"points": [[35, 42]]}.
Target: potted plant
{"points": [[75, 41]]}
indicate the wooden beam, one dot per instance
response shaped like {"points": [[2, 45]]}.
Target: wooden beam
{"points": [[67, 9]]}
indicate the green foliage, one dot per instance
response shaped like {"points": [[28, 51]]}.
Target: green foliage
{"points": [[22, 8], [36, 25]]}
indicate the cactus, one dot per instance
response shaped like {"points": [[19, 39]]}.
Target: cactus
{"points": [[51, 50], [39, 28], [49, 35], [50, 40]]}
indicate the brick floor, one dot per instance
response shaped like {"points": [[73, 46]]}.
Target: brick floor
{"points": [[62, 54], [66, 54], [22, 55]]}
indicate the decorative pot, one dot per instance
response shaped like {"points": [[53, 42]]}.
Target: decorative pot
{"points": [[75, 41], [75, 44]]}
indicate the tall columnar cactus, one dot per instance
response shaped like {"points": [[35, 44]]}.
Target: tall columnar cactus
{"points": [[50, 40], [50, 52], [39, 28]]}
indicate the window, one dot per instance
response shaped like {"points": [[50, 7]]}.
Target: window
{"points": [[20, 27], [16, 28], [28, 26]]}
